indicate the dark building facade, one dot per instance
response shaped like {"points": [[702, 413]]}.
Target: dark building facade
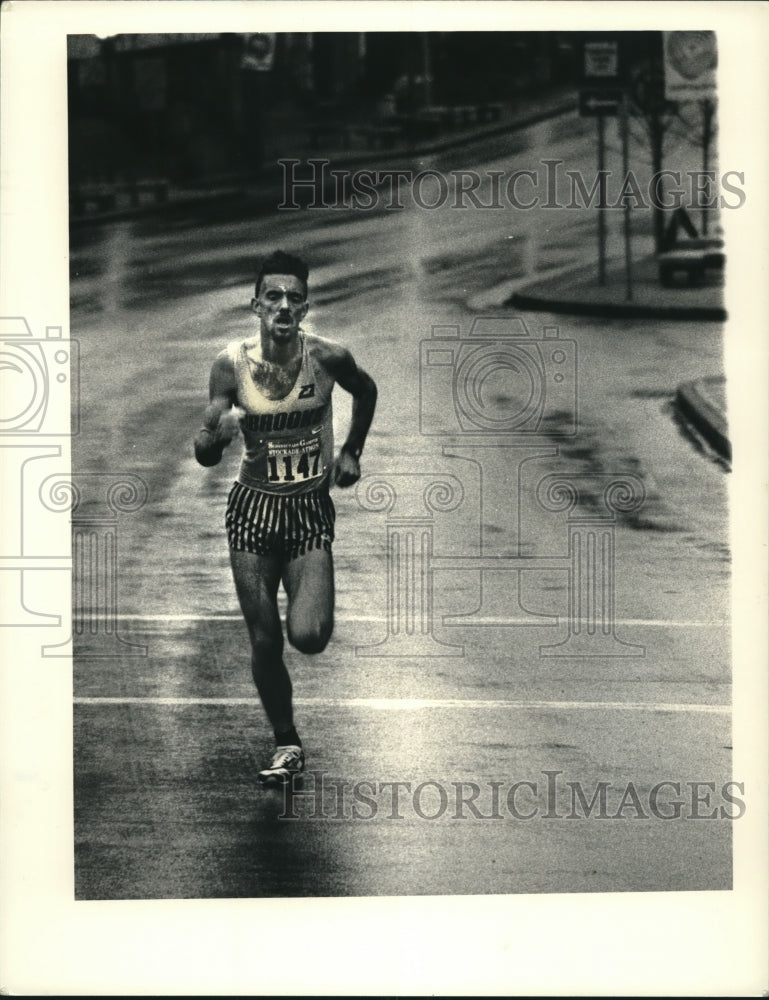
{"points": [[188, 107]]}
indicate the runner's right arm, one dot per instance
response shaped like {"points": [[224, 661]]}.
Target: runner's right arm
{"points": [[220, 423]]}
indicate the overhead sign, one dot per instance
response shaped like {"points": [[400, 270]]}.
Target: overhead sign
{"points": [[691, 59], [259, 52], [601, 60], [599, 102]]}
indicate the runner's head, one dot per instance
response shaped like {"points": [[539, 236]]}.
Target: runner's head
{"points": [[280, 301]]}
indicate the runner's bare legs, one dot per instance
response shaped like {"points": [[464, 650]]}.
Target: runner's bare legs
{"points": [[309, 583]]}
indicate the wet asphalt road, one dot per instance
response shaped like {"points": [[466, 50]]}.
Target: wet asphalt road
{"points": [[467, 700]]}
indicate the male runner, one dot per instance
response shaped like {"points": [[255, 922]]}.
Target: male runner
{"points": [[276, 388]]}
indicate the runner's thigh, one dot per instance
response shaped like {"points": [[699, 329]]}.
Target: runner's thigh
{"points": [[309, 583], [256, 582]]}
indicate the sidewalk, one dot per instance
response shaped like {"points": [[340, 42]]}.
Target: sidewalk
{"points": [[578, 292]]}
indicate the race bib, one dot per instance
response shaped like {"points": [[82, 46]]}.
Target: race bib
{"points": [[295, 461]]}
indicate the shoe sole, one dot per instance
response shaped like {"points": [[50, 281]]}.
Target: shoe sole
{"points": [[278, 779]]}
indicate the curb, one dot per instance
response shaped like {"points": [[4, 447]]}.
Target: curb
{"points": [[694, 403], [615, 310], [533, 300]]}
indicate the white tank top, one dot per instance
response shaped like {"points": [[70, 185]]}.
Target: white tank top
{"points": [[289, 442]]}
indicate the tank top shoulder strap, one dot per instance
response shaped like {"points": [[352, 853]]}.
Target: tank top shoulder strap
{"points": [[315, 368]]}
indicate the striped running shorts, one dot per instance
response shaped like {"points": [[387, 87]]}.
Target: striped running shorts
{"points": [[276, 524]]}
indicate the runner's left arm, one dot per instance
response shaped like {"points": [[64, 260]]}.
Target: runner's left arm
{"points": [[341, 364]]}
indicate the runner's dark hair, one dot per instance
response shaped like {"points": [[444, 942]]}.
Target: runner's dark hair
{"points": [[280, 262]]}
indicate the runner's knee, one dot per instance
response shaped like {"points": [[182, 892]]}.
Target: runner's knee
{"points": [[309, 637]]}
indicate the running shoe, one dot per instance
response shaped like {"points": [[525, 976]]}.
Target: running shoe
{"points": [[286, 762]]}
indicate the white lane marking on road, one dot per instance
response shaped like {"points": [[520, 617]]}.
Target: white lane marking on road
{"points": [[380, 619], [416, 704]]}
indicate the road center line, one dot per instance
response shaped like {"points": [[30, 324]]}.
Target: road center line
{"points": [[417, 704]]}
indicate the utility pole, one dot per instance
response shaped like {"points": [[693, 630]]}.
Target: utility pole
{"points": [[624, 124], [257, 59], [601, 200], [708, 111], [600, 97], [427, 86]]}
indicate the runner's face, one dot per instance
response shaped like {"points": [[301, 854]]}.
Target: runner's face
{"points": [[281, 305]]}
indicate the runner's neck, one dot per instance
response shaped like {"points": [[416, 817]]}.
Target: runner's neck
{"points": [[275, 372]]}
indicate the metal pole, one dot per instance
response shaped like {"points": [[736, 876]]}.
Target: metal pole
{"points": [[707, 121], [114, 104], [625, 170], [427, 90], [601, 215]]}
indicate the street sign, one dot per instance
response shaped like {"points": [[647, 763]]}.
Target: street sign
{"points": [[601, 61], [599, 102], [259, 52], [691, 58]]}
